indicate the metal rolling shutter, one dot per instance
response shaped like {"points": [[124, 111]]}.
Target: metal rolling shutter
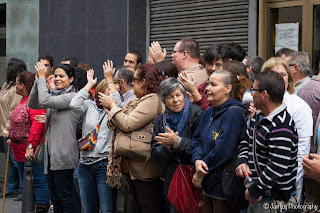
{"points": [[208, 22]]}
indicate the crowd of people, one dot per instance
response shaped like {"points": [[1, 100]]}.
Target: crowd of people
{"points": [[115, 145]]}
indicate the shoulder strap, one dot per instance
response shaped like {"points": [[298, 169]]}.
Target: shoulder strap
{"points": [[225, 113], [254, 153], [102, 118]]}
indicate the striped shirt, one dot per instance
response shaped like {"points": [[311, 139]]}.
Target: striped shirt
{"points": [[276, 150]]}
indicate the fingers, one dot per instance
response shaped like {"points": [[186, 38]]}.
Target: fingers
{"points": [[164, 52], [313, 155], [205, 167], [29, 156], [242, 171], [168, 129], [100, 94]]}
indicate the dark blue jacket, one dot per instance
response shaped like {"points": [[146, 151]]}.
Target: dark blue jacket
{"points": [[216, 140]]}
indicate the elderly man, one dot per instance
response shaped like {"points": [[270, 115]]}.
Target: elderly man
{"points": [[300, 69]]}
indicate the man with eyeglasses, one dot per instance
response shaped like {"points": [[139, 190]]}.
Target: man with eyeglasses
{"points": [[185, 56], [268, 151], [300, 69]]}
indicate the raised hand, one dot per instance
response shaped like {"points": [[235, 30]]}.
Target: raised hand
{"points": [[189, 84], [90, 77], [41, 70], [50, 82], [157, 53], [106, 100], [108, 70]]}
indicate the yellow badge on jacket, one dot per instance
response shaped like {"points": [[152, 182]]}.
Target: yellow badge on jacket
{"points": [[215, 135]]}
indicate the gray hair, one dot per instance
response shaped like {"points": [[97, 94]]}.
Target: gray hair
{"points": [[255, 62], [302, 60], [168, 86]]}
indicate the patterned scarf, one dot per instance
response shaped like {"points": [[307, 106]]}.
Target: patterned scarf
{"points": [[56, 92], [176, 121]]}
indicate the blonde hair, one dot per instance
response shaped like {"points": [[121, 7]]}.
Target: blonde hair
{"points": [[275, 61], [101, 87]]}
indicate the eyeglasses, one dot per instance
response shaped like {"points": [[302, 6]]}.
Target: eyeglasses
{"points": [[257, 90], [175, 51], [136, 79]]}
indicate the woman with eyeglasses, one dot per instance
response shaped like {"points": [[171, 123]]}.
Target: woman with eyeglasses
{"points": [[24, 135], [137, 116], [9, 99], [217, 137]]}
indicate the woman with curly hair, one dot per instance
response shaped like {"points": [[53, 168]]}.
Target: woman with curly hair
{"points": [[137, 117]]}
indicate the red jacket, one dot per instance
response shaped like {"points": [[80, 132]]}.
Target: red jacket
{"points": [[24, 129]]}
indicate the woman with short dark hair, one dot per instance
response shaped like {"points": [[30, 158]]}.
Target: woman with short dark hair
{"points": [[172, 131], [61, 151]]}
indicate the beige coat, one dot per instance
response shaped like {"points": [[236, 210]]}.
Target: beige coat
{"points": [[136, 115], [8, 102], [198, 73]]}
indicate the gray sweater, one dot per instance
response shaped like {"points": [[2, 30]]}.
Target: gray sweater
{"points": [[61, 134], [92, 115]]}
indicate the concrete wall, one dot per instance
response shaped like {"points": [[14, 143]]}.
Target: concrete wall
{"points": [[92, 31], [22, 31], [22, 41]]}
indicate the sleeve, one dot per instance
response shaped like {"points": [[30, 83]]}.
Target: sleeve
{"points": [[33, 101], [243, 150], [13, 104], [117, 98], [280, 145], [79, 103], [203, 103], [37, 129], [183, 148], [159, 152], [227, 141], [143, 114], [196, 144], [48, 101]]}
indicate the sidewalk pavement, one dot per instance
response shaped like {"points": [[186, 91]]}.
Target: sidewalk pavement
{"points": [[12, 206]]}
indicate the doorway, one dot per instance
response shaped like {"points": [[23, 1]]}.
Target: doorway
{"points": [[293, 24]]}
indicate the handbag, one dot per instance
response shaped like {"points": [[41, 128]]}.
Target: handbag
{"points": [[136, 143], [88, 142], [38, 156], [182, 194], [232, 185]]}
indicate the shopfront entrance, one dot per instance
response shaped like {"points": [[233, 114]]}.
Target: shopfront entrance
{"points": [[294, 24]]}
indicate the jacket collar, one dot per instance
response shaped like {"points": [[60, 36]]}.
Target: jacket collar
{"points": [[275, 112]]}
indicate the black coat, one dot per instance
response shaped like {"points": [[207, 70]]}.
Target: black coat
{"points": [[161, 154]]}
